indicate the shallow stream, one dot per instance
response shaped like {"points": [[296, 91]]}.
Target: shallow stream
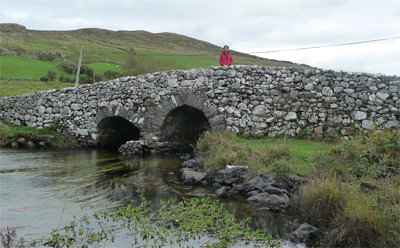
{"points": [[43, 189]]}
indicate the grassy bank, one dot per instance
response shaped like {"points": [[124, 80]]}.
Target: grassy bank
{"points": [[266, 155], [46, 137], [354, 195]]}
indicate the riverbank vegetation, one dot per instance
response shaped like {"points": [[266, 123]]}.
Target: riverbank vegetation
{"points": [[192, 223], [354, 194], [23, 136]]}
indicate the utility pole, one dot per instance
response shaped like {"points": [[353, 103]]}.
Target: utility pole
{"points": [[79, 68], [94, 76]]}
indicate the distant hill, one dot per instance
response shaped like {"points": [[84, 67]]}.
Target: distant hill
{"points": [[105, 45]]}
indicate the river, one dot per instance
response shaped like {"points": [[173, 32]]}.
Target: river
{"points": [[43, 189]]}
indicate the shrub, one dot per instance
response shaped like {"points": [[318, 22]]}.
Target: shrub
{"points": [[67, 67], [9, 238], [372, 153], [61, 78], [46, 56], [367, 221], [302, 134], [217, 150], [320, 201], [44, 79]]}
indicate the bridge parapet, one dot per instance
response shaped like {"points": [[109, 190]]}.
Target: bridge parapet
{"points": [[256, 100]]}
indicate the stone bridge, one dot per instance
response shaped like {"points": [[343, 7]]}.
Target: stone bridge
{"points": [[180, 105]]}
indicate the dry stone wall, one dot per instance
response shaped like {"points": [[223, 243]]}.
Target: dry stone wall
{"points": [[244, 99]]}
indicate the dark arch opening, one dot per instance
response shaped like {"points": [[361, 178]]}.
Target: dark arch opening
{"points": [[184, 125], [115, 131]]}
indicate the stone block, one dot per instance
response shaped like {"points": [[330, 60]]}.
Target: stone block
{"points": [[367, 124], [390, 124], [319, 130], [309, 87], [327, 91], [291, 116], [358, 115], [261, 111], [382, 95]]}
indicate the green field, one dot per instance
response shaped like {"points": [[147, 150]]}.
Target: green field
{"points": [[191, 62], [17, 67], [26, 68], [102, 67]]}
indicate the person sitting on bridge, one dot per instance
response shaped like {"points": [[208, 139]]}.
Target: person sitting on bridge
{"points": [[226, 57]]}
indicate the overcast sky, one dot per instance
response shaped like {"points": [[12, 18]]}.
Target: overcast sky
{"points": [[245, 25]]}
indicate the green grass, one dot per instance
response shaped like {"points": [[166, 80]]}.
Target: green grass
{"points": [[17, 67], [192, 62], [14, 88], [303, 151], [102, 67], [302, 148], [278, 156]]}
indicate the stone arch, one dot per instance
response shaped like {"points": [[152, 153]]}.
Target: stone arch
{"points": [[115, 126], [115, 110], [174, 107], [184, 124]]}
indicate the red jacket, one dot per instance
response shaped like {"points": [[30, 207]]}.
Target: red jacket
{"points": [[225, 59]]}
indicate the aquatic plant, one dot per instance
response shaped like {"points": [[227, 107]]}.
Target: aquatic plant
{"points": [[174, 223], [9, 239]]}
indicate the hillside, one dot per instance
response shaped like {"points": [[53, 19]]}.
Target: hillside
{"points": [[105, 45]]}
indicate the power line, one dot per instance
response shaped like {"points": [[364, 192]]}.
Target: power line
{"points": [[314, 47], [284, 50]]}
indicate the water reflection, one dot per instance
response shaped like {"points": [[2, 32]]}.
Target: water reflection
{"points": [[43, 189]]}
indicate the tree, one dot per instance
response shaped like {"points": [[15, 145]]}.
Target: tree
{"points": [[87, 71], [44, 79], [51, 75], [67, 67]]}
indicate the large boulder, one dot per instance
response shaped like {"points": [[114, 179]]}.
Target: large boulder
{"points": [[275, 203], [193, 163], [305, 231], [232, 175], [222, 192], [191, 177], [258, 182]]}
